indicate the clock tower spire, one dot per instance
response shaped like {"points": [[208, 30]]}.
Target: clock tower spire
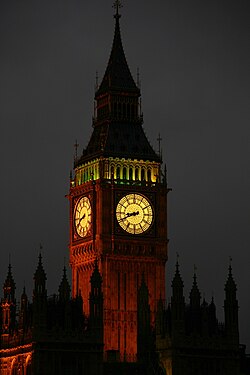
{"points": [[118, 207]]}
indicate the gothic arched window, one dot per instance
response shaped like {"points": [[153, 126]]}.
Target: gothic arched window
{"points": [[149, 175], [118, 173], [143, 174], [130, 173], [124, 173], [136, 174]]}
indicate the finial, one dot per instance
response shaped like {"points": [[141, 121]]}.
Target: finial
{"points": [[230, 265], [177, 260], [41, 247], [159, 139], [138, 82], [76, 145], [117, 5]]}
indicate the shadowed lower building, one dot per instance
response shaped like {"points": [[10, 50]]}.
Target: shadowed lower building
{"points": [[51, 335], [189, 338]]}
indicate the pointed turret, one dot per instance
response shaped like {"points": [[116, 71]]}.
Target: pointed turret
{"points": [[195, 311], [204, 318], [23, 311], [96, 303], [8, 304], [177, 304], [64, 288], [195, 295], [40, 277], [39, 297], [9, 286], [213, 323], [231, 308], [144, 334]]}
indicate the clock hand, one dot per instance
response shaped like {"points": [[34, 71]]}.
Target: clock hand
{"points": [[83, 216], [129, 214]]}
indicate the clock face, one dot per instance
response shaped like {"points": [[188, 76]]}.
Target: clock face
{"points": [[134, 213], [82, 216]]}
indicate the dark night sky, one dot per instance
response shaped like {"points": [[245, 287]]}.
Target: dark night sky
{"points": [[194, 60]]}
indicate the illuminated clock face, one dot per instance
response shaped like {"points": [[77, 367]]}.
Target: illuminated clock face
{"points": [[134, 213], [82, 216]]}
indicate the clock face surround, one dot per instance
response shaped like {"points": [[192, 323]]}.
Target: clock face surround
{"points": [[83, 216], [134, 213]]}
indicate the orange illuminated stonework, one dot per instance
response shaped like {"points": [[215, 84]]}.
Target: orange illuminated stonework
{"points": [[121, 176], [16, 360]]}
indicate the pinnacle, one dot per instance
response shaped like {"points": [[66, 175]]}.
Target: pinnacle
{"points": [[117, 75], [40, 273]]}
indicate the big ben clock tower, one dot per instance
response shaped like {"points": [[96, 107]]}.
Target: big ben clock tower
{"points": [[118, 207]]}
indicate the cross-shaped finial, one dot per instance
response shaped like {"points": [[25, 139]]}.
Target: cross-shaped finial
{"points": [[76, 145], [117, 5], [159, 139]]}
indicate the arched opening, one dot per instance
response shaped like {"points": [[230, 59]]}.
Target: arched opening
{"points": [[130, 173], [149, 175], [14, 367], [136, 174], [143, 174], [124, 173], [118, 173]]}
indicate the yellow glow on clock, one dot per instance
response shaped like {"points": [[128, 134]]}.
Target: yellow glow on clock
{"points": [[134, 213], [82, 216]]}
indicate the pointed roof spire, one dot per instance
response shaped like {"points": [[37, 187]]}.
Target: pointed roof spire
{"points": [[24, 295], [9, 285], [177, 282], [117, 76], [230, 286], [40, 275], [64, 287], [195, 295], [96, 278], [143, 292]]}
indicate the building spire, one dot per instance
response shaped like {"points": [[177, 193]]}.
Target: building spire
{"points": [[9, 286], [117, 75]]}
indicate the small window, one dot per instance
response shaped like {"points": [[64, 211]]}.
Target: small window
{"points": [[149, 175], [124, 173], [136, 174], [118, 173], [143, 174], [130, 173]]}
